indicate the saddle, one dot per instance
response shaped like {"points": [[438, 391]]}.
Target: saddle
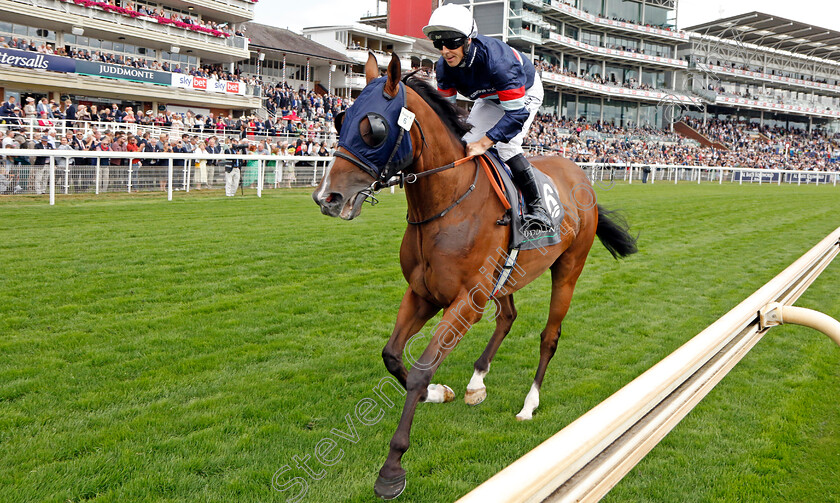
{"points": [[522, 238]]}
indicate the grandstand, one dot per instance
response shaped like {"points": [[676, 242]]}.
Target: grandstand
{"points": [[146, 56]]}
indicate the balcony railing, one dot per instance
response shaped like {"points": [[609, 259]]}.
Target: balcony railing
{"points": [[528, 35], [592, 49], [141, 23]]}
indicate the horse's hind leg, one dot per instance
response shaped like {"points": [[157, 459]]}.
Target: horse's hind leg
{"points": [[476, 391], [564, 275]]}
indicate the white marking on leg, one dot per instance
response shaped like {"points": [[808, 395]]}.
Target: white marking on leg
{"points": [[476, 392], [439, 393], [477, 380], [532, 401]]}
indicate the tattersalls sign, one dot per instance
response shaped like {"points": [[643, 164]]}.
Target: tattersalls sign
{"points": [[36, 61], [123, 72]]}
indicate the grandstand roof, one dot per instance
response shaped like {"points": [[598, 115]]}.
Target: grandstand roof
{"points": [[775, 32], [282, 40]]}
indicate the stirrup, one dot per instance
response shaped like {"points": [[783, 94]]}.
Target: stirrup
{"points": [[538, 221]]}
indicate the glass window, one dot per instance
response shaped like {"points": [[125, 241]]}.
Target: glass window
{"points": [[590, 108], [69, 38], [592, 6], [569, 102], [571, 32], [591, 38], [96, 44], [489, 18], [5, 27], [117, 46], [624, 10], [656, 16], [20, 30]]}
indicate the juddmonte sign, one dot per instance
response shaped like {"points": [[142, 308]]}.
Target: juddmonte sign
{"points": [[37, 61], [123, 72]]}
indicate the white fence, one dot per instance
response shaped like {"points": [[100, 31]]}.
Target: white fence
{"points": [[675, 173], [587, 458], [74, 172]]}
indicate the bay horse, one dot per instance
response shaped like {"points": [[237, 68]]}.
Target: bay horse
{"points": [[451, 248]]}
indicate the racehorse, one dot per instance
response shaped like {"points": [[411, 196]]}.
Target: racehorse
{"points": [[456, 237]]}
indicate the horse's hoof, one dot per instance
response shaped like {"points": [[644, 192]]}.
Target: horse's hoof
{"points": [[524, 417], [389, 489], [475, 396], [439, 393]]}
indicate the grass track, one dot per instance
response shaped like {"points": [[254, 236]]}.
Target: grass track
{"points": [[186, 351]]}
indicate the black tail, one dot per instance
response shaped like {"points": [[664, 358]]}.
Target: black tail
{"points": [[613, 231]]}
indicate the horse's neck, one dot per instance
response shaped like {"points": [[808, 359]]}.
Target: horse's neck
{"points": [[434, 193]]}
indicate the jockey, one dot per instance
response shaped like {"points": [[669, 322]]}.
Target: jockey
{"points": [[507, 93]]}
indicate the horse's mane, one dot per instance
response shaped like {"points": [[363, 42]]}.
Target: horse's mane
{"points": [[453, 116]]}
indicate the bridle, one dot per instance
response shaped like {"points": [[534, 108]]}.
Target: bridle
{"points": [[400, 178], [392, 172]]}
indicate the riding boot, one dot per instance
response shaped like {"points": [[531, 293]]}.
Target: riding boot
{"points": [[536, 217]]}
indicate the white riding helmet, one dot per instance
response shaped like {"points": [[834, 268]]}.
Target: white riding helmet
{"points": [[451, 18]]}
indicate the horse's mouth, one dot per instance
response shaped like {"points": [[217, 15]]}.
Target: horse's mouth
{"points": [[353, 206]]}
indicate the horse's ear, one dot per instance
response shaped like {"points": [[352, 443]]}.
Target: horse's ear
{"points": [[371, 68], [392, 87]]}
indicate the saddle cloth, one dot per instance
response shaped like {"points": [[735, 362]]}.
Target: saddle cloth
{"points": [[522, 237]]}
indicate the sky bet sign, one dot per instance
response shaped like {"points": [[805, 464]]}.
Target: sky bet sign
{"points": [[209, 85]]}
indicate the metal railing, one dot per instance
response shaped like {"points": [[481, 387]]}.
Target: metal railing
{"points": [[56, 172], [587, 458]]}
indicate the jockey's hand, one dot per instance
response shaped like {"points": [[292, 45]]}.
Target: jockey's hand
{"points": [[479, 147]]}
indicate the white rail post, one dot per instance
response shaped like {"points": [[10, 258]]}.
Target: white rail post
{"points": [[52, 180], [169, 186], [98, 175], [740, 178], [260, 174], [66, 175], [780, 178], [720, 181], [760, 178], [130, 166], [186, 183], [699, 175], [631, 173], [798, 178]]}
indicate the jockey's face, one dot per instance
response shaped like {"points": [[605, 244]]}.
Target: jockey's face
{"points": [[453, 57]]}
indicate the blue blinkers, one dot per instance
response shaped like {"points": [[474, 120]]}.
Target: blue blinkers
{"points": [[380, 144]]}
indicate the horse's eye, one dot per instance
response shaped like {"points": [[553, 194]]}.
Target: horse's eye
{"points": [[374, 130]]}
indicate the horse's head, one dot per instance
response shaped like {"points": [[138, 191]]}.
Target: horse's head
{"points": [[373, 143]]}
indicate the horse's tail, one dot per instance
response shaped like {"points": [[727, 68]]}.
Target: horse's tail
{"points": [[614, 232]]}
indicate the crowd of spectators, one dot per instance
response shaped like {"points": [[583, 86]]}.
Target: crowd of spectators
{"points": [[630, 83], [774, 148], [161, 15], [24, 174]]}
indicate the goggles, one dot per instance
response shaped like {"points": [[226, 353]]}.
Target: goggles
{"points": [[449, 43]]}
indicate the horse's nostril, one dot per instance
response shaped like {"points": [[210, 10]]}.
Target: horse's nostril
{"points": [[329, 199]]}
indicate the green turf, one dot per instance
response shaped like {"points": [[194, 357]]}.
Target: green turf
{"points": [[187, 351]]}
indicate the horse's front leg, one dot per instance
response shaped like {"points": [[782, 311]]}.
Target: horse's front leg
{"points": [[457, 319], [413, 314]]}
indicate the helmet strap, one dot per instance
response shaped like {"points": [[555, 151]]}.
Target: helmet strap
{"points": [[467, 45]]}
